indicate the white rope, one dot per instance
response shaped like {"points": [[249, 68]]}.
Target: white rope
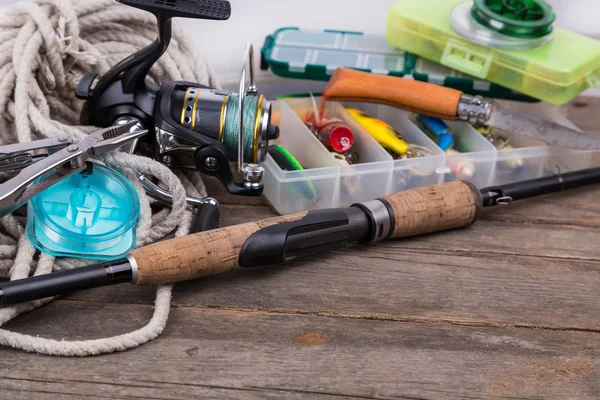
{"points": [[46, 46]]}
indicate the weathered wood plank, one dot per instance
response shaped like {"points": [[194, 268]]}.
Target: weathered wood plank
{"points": [[209, 353], [431, 317], [64, 388]]}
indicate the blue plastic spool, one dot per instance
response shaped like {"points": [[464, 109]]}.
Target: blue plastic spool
{"points": [[91, 216]]}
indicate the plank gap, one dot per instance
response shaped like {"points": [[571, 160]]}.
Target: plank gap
{"points": [[353, 316]]}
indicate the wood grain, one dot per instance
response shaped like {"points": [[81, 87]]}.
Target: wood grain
{"points": [[434, 208], [231, 354], [198, 255], [420, 97]]}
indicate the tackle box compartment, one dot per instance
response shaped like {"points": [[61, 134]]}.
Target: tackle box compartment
{"points": [[325, 184]]}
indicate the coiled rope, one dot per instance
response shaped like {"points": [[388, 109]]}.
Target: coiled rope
{"points": [[46, 46]]}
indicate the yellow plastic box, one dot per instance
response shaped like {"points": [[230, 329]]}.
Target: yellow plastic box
{"points": [[554, 72]]}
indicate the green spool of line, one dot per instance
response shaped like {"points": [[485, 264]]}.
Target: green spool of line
{"points": [[231, 125], [525, 19]]}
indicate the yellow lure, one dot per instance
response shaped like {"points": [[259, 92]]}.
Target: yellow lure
{"points": [[384, 134]]}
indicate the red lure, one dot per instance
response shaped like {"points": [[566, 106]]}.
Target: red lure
{"points": [[330, 131]]}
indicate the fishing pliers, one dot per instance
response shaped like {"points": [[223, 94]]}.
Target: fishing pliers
{"points": [[41, 163]]}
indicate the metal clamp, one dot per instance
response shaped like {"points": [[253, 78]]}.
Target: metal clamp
{"points": [[473, 109], [505, 200]]}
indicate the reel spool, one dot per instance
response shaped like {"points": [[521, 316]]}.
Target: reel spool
{"points": [[91, 214], [234, 120], [505, 24], [217, 114]]}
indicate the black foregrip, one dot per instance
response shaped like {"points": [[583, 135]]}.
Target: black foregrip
{"points": [[201, 9], [318, 232]]}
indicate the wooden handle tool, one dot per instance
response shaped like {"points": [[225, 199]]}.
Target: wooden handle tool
{"points": [[420, 97]]}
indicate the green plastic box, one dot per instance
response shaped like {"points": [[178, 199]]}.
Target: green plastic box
{"points": [[314, 55], [555, 71]]}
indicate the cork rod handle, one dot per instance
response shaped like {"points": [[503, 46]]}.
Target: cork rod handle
{"points": [[420, 97], [435, 208], [198, 255], [417, 212]]}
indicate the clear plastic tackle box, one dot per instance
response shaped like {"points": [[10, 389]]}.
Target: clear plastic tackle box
{"points": [[490, 40], [325, 184]]}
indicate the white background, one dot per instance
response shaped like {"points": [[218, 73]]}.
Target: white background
{"points": [[222, 42]]}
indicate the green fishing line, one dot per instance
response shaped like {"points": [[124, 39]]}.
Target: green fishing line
{"points": [[231, 125], [517, 18]]}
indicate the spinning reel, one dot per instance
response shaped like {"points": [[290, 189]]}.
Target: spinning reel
{"points": [[191, 126]]}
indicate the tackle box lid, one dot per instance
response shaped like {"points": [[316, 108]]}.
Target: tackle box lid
{"points": [[311, 54], [429, 28]]}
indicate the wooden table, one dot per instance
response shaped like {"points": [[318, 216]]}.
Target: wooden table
{"points": [[508, 308]]}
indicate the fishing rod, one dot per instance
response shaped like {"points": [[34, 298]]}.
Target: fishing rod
{"points": [[276, 240]]}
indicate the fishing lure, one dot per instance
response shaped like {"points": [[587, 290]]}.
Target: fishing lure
{"points": [[437, 130], [287, 162], [351, 182], [334, 135], [501, 142], [284, 159], [385, 135], [461, 169], [414, 151]]}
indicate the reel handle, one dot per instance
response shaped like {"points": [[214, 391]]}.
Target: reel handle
{"points": [[135, 68], [199, 9], [207, 217]]}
